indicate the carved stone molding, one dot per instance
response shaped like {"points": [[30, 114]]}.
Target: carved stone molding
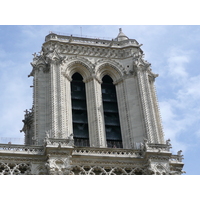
{"points": [[40, 63], [108, 51], [108, 67], [77, 64], [58, 166], [71, 60]]}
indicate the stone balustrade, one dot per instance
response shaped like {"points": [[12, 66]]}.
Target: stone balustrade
{"points": [[107, 152], [12, 148], [176, 158], [161, 147]]}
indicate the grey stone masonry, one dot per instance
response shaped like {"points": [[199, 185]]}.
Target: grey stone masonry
{"points": [[121, 59], [50, 145]]}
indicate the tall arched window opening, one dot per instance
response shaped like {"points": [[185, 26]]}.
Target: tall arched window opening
{"points": [[111, 114], [79, 111]]}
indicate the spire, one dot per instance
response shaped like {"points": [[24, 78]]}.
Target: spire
{"points": [[121, 36]]}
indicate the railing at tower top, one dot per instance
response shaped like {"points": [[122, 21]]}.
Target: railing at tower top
{"points": [[83, 36], [11, 140], [53, 36]]}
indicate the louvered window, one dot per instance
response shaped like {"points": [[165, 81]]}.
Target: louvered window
{"points": [[79, 111], [111, 114]]}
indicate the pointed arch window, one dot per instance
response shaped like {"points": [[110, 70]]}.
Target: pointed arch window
{"points": [[111, 114], [79, 111]]}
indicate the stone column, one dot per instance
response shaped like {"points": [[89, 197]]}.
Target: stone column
{"points": [[40, 106], [61, 114], [149, 106], [54, 100], [67, 107], [95, 113], [160, 133], [123, 115], [137, 130], [63, 94], [141, 78]]}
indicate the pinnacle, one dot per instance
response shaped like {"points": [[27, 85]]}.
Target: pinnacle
{"points": [[121, 36]]}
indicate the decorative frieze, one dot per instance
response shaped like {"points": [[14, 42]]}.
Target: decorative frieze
{"points": [[90, 47], [89, 51]]}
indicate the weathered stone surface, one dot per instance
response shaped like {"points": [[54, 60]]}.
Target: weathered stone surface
{"points": [[49, 145]]}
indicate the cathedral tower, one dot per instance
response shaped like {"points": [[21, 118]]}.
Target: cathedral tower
{"points": [[95, 110], [94, 89]]}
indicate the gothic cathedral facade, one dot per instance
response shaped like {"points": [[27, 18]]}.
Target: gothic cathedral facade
{"points": [[95, 111]]}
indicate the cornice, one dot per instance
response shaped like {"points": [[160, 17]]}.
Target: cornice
{"points": [[90, 50]]}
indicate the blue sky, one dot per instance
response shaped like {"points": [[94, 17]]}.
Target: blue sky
{"points": [[173, 52]]}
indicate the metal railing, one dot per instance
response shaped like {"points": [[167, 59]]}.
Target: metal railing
{"points": [[81, 142], [11, 140], [89, 40], [80, 35], [114, 144]]}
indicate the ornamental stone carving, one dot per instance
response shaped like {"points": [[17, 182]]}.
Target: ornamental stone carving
{"points": [[103, 170], [15, 169], [49, 126], [58, 166]]}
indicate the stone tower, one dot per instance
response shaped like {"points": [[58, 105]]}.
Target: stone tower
{"points": [[95, 111]]}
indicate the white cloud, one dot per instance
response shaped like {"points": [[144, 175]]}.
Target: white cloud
{"points": [[197, 133], [172, 124], [178, 60], [192, 88], [180, 109], [2, 52], [176, 66]]}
